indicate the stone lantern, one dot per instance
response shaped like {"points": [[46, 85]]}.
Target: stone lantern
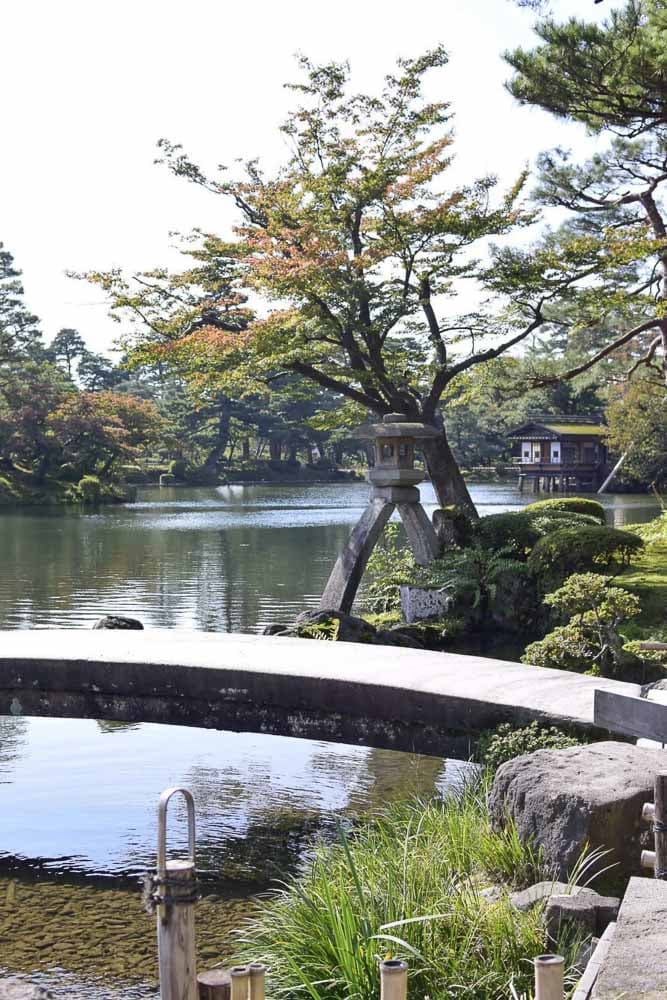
{"points": [[394, 480]]}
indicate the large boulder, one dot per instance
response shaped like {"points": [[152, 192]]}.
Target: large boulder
{"points": [[565, 799]]}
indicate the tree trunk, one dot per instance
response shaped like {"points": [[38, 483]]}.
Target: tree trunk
{"points": [[275, 449], [245, 449], [218, 450], [448, 483]]}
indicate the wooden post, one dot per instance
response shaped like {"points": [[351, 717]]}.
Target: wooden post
{"points": [[240, 982], [215, 985], [257, 977], [549, 977], [176, 935], [393, 980], [175, 899]]}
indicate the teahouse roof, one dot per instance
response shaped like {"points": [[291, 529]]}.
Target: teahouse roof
{"points": [[396, 425], [555, 429]]}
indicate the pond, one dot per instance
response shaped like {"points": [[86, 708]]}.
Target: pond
{"points": [[77, 798]]}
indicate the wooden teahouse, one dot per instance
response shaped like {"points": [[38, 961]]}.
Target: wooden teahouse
{"points": [[561, 453]]}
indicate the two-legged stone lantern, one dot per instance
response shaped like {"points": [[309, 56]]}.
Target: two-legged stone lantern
{"points": [[394, 480]]}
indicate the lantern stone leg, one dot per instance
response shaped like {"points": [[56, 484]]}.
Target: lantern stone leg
{"points": [[394, 479], [342, 586], [421, 534]]}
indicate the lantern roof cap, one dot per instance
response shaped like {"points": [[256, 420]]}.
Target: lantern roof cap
{"points": [[396, 425]]}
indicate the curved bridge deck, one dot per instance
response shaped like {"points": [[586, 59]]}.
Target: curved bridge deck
{"points": [[379, 696]]}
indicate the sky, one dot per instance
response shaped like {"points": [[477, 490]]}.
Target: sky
{"points": [[89, 88]]}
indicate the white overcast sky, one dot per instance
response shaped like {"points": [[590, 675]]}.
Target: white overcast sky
{"points": [[89, 87]]}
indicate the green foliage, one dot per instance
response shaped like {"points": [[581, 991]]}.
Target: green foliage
{"points": [[390, 565], [568, 505], [406, 884], [89, 489], [653, 532], [591, 641], [514, 532], [456, 524], [327, 630], [67, 473], [650, 657], [638, 428], [178, 468], [576, 550], [474, 574], [133, 474], [507, 742], [545, 521], [608, 76]]}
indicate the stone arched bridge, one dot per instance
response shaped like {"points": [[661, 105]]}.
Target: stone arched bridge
{"points": [[379, 696]]}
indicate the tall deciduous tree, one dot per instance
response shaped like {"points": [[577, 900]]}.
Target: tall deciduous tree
{"points": [[355, 247]]}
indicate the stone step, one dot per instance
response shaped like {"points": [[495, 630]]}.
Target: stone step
{"points": [[635, 967]]}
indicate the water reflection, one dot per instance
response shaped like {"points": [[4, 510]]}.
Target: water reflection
{"points": [[234, 558], [77, 798]]}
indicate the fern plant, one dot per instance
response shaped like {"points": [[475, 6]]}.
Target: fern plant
{"points": [[474, 573]]}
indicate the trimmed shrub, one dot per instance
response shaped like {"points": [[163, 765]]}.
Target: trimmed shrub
{"points": [[545, 521], [578, 550], [505, 742], [133, 474], [90, 489], [511, 532], [570, 505], [67, 473], [452, 525]]}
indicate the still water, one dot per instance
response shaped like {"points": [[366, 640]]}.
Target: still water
{"points": [[77, 798]]}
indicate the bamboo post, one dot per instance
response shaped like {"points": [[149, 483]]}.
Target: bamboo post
{"points": [[175, 898], [393, 979], [660, 824], [215, 985], [659, 818], [240, 977], [549, 977], [257, 973]]}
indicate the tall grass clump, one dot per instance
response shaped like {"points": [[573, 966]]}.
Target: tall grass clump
{"points": [[406, 884]]}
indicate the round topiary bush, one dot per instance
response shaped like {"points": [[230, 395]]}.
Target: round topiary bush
{"points": [[513, 532], [133, 474], [90, 489], [570, 505], [67, 473], [547, 520], [581, 549]]}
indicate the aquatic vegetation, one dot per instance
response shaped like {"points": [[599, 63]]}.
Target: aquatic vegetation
{"points": [[407, 884]]}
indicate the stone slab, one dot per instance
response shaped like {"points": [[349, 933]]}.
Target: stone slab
{"points": [[594, 913], [390, 697], [418, 604], [405, 699], [636, 965], [526, 899]]}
